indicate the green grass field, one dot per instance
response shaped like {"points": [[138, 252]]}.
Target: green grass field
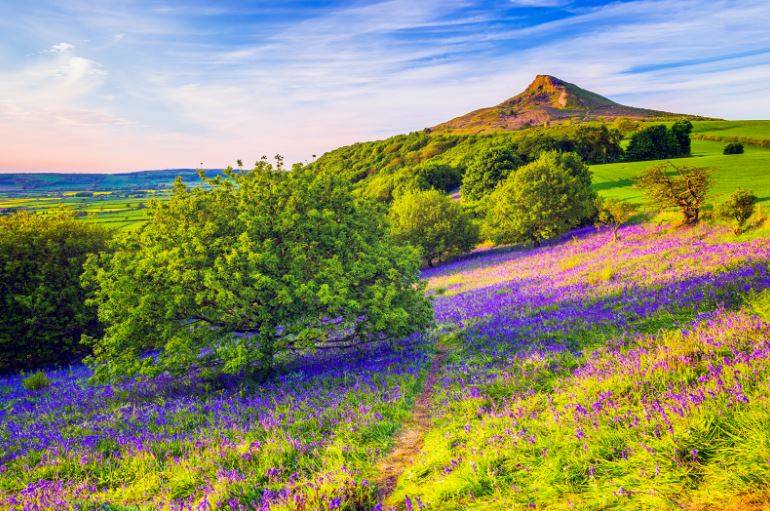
{"points": [[756, 129], [113, 212], [750, 170]]}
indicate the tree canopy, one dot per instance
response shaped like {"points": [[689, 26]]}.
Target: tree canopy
{"points": [[658, 142], [541, 200], [487, 171], [739, 207], [433, 222], [225, 276], [669, 186], [613, 213], [43, 304]]}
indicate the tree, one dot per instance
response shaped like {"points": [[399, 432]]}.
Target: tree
{"points": [[434, 223], [541, 200], [597, 144], [653, 143], [733, 148], [225, 276], [739, 207], [487, 171], [681, 131], [625, 125], [436, 176], [687, 189], [43, 304], [531, 146], [613, 213]]}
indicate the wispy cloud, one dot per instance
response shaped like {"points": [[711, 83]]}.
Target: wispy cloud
{"points": [[148, 84]]}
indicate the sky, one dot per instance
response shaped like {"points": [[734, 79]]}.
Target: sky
{"points": [[120, 85]]}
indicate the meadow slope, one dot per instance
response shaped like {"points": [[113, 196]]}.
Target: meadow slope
{"points": [[580, 375]]}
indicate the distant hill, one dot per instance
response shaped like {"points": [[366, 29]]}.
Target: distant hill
{"points": [[548, 100], [20, 183]]}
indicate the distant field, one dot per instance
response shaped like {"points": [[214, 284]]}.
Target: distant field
{"points": [[750, 132], [750, 170], [114, 212]]}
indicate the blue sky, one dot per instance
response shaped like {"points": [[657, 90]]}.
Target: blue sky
{"points": [[90, 85]]}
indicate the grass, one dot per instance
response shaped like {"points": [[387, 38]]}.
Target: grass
{"points": [[112, 211], [750, 170], [643, 389], [748, 132]]}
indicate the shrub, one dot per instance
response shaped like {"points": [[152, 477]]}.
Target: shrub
{"points": [[597, 144], [43, 304], [487, 171], [36, 381], [541, 200], [733, 148], [613, 213], [437, 176], [686, 190], [434, 223], [226, 276], [653, 143], [625, 125], [739, 207], [681, 131]]}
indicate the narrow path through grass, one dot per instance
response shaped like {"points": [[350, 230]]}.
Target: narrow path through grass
{"points": [[410, 440]]}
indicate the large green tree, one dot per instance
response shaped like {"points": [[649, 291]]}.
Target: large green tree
{"points": [[541, 200], [225, 276], [42, 304], [681, 131], [488, 169], [654, 143], [434, 223]]}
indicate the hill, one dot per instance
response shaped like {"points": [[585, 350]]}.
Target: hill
{"points": [[545, 101], [583, 372], [24, 183]]}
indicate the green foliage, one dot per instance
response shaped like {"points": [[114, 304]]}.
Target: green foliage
{"points": [[758, 302], [681, 131], [686, 190], [541, 200], [739, 207], [36, 381], [436, 176], [613, 213], [598, 144], [224, 277], [659, 142], [384, 168], [487, 171], [733, 148], [594, 144], [44, 312], [434, 223], [625, 125]]}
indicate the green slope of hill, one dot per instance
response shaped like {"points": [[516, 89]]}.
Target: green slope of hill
{"points": [[750, 170]]}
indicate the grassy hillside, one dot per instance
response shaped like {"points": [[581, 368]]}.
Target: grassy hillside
{"points": [[749, 132], [580, 375], [750, 170], [377, 166], [23, 183], [114, 211], [596, 375]]}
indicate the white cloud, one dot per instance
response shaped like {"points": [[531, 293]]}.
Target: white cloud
{"points": [[61, 48]]}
